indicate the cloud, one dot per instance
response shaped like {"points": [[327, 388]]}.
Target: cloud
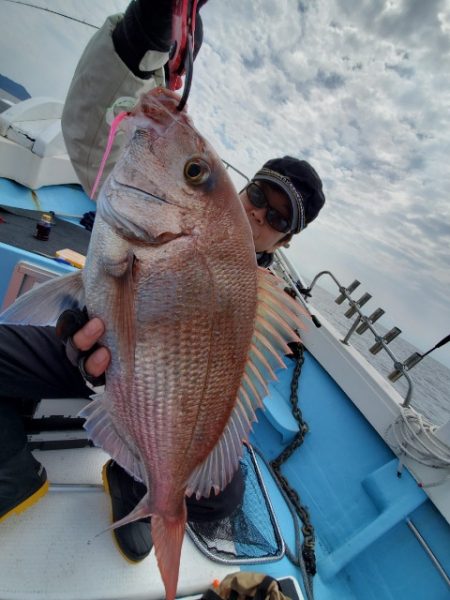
{"points": [[361, 90]]}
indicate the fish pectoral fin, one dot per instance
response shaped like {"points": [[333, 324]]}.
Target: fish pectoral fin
{"points": [[117, 266], [102, 431], [278, 315], [168, 538], [43, 304]]}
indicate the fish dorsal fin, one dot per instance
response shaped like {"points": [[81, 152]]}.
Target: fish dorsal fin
{"points": [[277, 318], [43, 304]]}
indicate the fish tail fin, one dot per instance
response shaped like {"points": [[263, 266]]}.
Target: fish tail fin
{"points": [[168, 538]]}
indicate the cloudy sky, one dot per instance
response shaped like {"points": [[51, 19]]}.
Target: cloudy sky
{"points": [[361, 89]]}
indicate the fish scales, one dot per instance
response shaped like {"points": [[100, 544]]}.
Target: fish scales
{"points": [[181, 381], [182, 371]]}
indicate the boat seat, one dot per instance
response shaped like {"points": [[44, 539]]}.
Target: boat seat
{"points": [[32, 148], [25, 276], [54, 424], [279, 414], [49, 424]]}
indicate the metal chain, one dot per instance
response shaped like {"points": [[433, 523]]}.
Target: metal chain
{"points": [[308, 545]]}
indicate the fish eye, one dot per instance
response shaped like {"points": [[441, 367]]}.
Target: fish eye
{"points": [[196, 171]]}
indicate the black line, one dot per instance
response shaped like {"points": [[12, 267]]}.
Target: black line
{"points": [[53, 12]]}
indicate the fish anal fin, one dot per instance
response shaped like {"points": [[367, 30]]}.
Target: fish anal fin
{"points": [[168, 537]]}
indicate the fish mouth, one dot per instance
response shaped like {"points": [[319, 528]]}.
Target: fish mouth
{"points": [[144, 193]]}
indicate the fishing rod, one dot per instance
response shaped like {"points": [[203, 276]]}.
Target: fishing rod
{"points": [[181, 56], [54, 12], [414, 359], [438, 345]]}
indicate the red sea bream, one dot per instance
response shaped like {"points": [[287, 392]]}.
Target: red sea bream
{"points": [[195, 328]]}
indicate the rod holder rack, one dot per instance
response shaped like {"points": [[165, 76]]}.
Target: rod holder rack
{"points": [[362, 323], [406, 365], [387, 339], [358, 304], [344, 291], [379, 312]]}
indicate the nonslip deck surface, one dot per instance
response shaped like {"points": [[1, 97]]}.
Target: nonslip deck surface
{"points": [[51, 552]]}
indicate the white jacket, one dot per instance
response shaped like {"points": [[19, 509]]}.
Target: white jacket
{"points": [[100, 79]]}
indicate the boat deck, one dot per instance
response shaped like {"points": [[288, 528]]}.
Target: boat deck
{"points": [[51, 551]]}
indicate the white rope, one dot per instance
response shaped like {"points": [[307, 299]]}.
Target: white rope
{"points": [[413, 436]]}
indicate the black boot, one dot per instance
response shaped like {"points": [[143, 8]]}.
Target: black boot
{"points": [[23, 481], [134, 539]]}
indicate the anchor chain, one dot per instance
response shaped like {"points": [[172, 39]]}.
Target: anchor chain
{"points": [[308, 546]]}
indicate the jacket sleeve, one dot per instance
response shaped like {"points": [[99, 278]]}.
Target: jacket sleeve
{"points": [[100, 79]]}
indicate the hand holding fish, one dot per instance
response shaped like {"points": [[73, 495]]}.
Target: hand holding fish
{"points": [[80, 336], [85, 339]]}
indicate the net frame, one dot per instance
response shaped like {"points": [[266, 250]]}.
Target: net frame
{"points": [[235, 554]]}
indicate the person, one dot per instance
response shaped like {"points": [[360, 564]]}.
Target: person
{"points": [[127, 55]]}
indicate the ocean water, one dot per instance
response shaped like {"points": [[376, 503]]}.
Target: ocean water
{"points": [[431, 379]]}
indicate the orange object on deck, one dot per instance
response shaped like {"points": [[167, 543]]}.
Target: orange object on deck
{"points": [[74, 258]]}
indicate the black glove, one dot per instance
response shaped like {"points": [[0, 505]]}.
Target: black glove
{"points": [[198, 34], [87, 220], [145, 26], [69, 322]]}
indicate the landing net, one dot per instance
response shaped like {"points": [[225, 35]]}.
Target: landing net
{"points": [[251, 534]]}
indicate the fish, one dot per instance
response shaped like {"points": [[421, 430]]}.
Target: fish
{"points": [[195, 328]]}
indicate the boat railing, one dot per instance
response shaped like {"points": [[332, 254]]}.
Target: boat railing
{"points": [[362, 322], [229, 166]]}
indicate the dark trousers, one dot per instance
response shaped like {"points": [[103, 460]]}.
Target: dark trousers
{"points": [[33, 365]]}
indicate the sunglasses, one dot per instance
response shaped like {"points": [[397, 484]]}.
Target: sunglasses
{"points": [[273, 217]]}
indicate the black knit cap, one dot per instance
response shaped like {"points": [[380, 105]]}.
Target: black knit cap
{"points": [[300, 182]]}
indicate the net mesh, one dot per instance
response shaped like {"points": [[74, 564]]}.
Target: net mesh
{"points": [[251, 533]]}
